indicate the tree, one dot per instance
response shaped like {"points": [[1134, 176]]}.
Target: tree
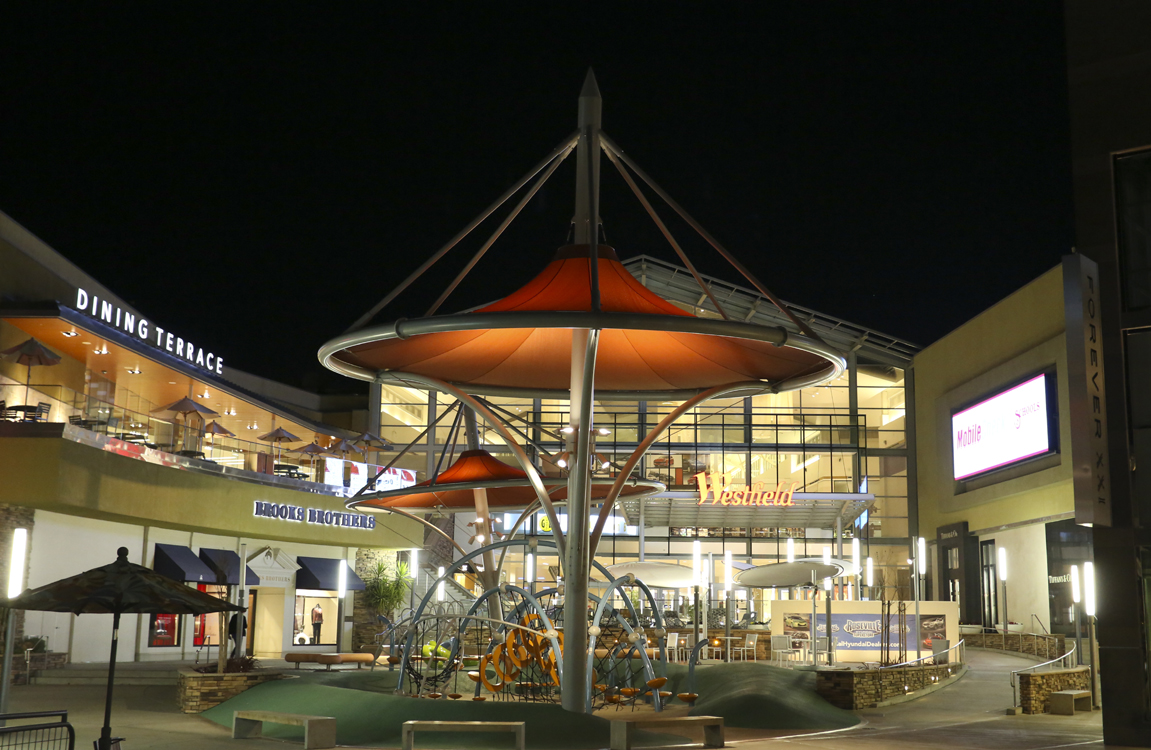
{"points": [[386, 587]]}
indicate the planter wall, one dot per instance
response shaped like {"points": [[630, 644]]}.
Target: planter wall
{"points": [[864, 688], [196, 692], [1041, 646], [1035, 688]]}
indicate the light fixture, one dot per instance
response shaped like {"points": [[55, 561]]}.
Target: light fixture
{"points": [[567, 430], [855, 554], [440, 585], [16, 566], [530, 567], [870, 573], [790, 549], [343, 580], [696, 566], [604, 431], [134, 370], [414, 560], [827, 555], [827, 584], [727, 571], [69, 334], [562, 461], [1089, 589], [1075, 583], [921, 561], [479, 538], [1002, 564]]}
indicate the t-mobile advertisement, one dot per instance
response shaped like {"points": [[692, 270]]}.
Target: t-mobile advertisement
{"points": [[1001, 430], [863, 632]]}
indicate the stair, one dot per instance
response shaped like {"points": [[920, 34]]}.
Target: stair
{"points": [[97, 674]]}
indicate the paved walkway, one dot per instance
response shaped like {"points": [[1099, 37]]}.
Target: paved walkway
{"points": [[967, 715]]}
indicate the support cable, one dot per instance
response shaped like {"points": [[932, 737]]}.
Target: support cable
{"points": [[400, 455], [450, 441], [666, 233], [366, 317], [499, 230], [759, 285]]}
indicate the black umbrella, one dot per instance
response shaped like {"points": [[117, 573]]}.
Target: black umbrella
{"points": [[115, 589]]}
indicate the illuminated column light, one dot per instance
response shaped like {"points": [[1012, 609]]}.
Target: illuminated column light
{"points": [[921, 558], [530, 567], [1089, 588], [16, 566], [727, 571], [440, 585], [790, 549], [827, 555], [870, 573], [1075, 583], [1003, 564], [342, 589], [827, 584], [414, 557]]}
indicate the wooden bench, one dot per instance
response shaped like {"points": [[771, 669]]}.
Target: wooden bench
{"points": [[319, 731], [410, 727], [622, 729], [1065, 702], [298, 658], [358, 659]]}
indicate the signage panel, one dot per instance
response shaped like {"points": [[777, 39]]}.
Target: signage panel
{"points": [[864, 632], [1007, 428]]}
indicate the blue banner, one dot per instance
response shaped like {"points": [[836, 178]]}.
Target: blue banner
{"points": [[864, 632]]}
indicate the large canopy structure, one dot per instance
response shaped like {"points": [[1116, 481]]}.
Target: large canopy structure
{"points": [[583, 329]]}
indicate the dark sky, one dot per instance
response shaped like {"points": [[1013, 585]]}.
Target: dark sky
{"points": [[258, 175]]}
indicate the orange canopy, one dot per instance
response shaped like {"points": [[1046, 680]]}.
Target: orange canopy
{"points": [[637, 357], [507, 487]]}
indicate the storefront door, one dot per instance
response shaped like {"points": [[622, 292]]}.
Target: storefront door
{"points": [[989, 583]]}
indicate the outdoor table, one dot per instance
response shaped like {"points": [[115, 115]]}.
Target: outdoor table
{"points": [[25, 410], [726, 648]]}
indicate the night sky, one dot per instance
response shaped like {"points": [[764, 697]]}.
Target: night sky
{"points": [[258, 175]]}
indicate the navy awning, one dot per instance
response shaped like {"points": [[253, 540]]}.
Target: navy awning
{"points": [[225, 564], [323, 574], [181, 564]]}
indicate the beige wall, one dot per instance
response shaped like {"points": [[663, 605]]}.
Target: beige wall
{"points": [[65, 477], [1018, 336]]}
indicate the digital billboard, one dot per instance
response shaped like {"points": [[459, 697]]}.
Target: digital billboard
{"points": [[1006, 428]]}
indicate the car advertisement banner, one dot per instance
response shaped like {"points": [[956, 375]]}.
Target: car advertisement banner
{"points": [[863, 632]]}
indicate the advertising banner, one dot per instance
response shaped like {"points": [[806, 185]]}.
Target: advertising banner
{"points": [[1006, 428], [863, 632]]}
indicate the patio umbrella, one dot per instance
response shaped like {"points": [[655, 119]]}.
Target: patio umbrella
{"points": [[279, 435], [215, 428], [186, 406], [313, 450], [343, 447], [115, 589], [373, 442], [31, 354]]}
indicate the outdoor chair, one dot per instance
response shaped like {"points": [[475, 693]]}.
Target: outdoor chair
{"points": [[41, 413], [781, 648], [672, 646], [750, 641]]}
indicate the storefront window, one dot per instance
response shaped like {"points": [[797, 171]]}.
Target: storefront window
{"points": [[316, 618], [164, 630]]}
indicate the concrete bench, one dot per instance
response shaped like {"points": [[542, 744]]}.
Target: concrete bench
{"points": [[410, 727], [319, 731], [622, 729], [298, 658], [358, 659], [1065, 702]]}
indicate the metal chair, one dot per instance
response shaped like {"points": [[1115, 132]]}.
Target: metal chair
{"points": [[749, 644], [781, 647], [672, 646]]}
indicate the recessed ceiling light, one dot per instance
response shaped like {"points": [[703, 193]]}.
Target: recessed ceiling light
{"points": [[85, 342], [69, 334], [134, 370], [171, 382]]}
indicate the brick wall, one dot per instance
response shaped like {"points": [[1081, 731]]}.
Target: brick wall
{"points": [[1035, 688], [863, 688], [13, 517], [1042, 646], [196, 692], [364, 625]]}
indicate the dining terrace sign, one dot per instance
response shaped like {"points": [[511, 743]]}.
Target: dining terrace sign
{"points": [[132, 324], [718, 489]]}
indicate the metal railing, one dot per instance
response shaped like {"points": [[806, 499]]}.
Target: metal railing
{"points": [[46, 735], [958, 646], [1065, 662]]}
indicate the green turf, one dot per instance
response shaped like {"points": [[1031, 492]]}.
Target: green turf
{"points": [[367, 713]]}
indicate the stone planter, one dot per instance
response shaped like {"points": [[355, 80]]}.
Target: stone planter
{"points": [[196, 691]]}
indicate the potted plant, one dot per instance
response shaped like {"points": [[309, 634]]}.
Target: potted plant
{"points": [[386, 587]]}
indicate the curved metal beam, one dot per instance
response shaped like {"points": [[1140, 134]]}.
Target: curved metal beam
{"points": [[425, 522], [637, 454]]}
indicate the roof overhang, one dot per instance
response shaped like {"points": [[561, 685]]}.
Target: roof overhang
{"points": [[811, 510]]}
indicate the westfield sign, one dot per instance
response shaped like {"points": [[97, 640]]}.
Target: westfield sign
{"points": [[718, 489]]}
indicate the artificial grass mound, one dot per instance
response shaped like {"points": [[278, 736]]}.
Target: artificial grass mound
{"points": [[755, 696], [367, 716], [758, 696]]}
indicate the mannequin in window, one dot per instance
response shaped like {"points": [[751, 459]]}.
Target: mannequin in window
{"points": [[317, 622]]}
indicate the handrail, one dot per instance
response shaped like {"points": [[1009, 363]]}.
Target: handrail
{"points": [[959, 645], [1066, 657]]}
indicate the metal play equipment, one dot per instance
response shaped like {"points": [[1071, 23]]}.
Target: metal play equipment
{"points": [[583, 330]]}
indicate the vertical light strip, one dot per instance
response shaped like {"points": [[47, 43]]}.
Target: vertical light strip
{"points": [[727, 571], [16, 565], [1089, 589], [1075, 583], [414, 562], [343, 579], [440, 586], [1002, 564], [790, 549], [870, 574]]}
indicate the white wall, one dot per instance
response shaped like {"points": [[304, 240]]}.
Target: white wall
{"points": [[1027, 592]]}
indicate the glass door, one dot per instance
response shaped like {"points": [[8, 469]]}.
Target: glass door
{"points": [[989, 590]]}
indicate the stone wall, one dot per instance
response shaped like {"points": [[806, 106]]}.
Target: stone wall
{"points": [[14, 517], [854, 689], [364, 624], [46, 660], [196, 692], [1035, 688], [1042, 646]]}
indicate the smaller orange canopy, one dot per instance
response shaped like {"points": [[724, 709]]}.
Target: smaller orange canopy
{"points": [[507, 487]]}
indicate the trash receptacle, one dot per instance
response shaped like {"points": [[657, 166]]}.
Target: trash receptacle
{"points": [[939, 650]]}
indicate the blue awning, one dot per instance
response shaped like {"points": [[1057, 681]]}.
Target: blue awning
{"points": [[323, 574], [181, 564], [225, 565]]}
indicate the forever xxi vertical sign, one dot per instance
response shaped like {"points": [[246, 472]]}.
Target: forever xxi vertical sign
{"points": [[1087, 391]]}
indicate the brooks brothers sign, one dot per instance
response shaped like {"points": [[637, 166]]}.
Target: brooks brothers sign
{"points": [[720, 490]]}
